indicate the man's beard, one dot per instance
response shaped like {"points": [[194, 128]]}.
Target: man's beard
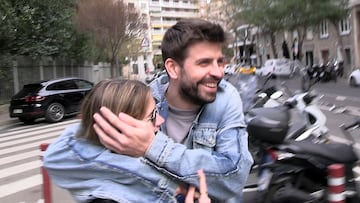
{"points": [[192, 93]]}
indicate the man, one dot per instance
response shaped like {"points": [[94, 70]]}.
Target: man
{"points": [[204, 128]]}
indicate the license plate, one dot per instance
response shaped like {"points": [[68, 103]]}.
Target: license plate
{"points": [[17, 111]]}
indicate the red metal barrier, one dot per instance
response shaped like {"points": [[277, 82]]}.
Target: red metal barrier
{"points": [[336, 183], [46, 187]]}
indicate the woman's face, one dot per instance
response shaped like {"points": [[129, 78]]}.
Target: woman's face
{"points": [[152, 115]]}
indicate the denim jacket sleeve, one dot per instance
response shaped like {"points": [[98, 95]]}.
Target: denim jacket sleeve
{"points": [[217, 144]]}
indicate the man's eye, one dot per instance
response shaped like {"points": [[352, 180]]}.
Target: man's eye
{"points": [[221, 62], [204, 63]]}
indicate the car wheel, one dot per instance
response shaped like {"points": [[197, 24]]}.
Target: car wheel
{"points": [[27, 120], [352, 82], [55, 113]]}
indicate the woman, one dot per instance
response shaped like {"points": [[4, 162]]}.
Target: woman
{"points": [[78, 162]]}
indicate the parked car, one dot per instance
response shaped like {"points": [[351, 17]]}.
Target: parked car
{"points": [[230, 68], [52, 99], [278, 67], [354, 78], [246, 69]]}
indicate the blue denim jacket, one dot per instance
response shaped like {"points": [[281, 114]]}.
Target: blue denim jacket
{"points": [[89, 171], [217, 143]]}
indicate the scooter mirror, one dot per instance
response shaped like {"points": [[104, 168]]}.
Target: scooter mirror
{"points": [[262, 95], [276, 95]]}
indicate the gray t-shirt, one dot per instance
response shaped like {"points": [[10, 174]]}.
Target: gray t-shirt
{"points": [[179, 122]]}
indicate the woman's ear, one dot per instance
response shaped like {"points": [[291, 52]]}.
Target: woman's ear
{"points": [[172, 68]]}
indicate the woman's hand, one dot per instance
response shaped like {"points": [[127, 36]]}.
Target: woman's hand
{"points": [[202, 195]]}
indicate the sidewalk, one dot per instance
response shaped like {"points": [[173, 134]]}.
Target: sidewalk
{"points": [[4, 114]]}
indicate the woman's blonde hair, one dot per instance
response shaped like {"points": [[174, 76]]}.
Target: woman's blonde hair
{"points": [[119, 95]]}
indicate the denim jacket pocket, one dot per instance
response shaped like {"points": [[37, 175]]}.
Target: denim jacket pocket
{"points": [[204, 136]]}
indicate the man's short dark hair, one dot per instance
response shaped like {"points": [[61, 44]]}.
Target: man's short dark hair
{"points": [[185, 33]]}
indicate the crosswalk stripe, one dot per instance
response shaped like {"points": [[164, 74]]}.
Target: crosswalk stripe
{"points": [[31, 133], [25, 146], [36, 130], [20, 185], [18, 157], [30, 138], [20, 168]]}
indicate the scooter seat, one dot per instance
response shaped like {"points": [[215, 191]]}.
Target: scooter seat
{"points": [[337, 152]]}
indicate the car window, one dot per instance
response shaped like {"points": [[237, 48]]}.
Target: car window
{"points": [[63, 85], [29, 89], [82, 84]]}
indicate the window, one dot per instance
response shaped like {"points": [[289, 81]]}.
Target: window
{"points": [[135, 69], [324, 31], [146, 67], [131, 6], [82, 84], [344, 26], [63, 85]]}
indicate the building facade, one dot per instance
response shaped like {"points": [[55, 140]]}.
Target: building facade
{"points": [[141, 62], [158, 15], [165, 13], [324, 44]]}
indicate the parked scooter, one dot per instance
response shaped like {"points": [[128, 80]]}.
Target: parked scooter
{"points": [[292, 120], [328, 72], [303, 110], [338, 68], [311, 76], [296, 111], [296, 171], [320, 73]]}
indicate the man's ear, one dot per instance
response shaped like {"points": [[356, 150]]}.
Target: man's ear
{"points": [[172, 68]]}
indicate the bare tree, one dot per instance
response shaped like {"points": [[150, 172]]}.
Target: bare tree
{"points": [[111, 23]]}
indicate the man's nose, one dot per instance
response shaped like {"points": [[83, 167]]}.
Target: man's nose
{"points": [[217, 70]]}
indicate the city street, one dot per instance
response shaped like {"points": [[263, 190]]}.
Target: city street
{"points": [[52, 53], [21, 180], [20, 175]]}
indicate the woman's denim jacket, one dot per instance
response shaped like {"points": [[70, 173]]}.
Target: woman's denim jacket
{"points": [[89, 171], [217, 143]]}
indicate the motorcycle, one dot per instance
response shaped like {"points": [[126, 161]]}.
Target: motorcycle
{"points": [[294, 115], [297, 119], [305, 114], [300, 111], [320, 73], [296, 171], [338, 68]]}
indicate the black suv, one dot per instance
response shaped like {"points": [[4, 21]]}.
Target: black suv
{"points": [[52, 99]]}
